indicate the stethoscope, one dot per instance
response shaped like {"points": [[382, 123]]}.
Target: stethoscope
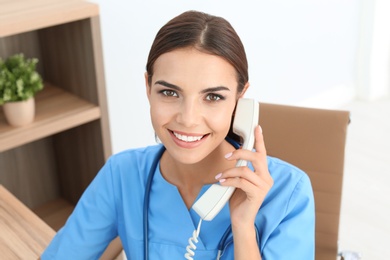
{"points": [[223, 243]]}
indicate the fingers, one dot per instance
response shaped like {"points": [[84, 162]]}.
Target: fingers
{"points": [[255, 187], [252, 186], [259, 141], [238, 175], [243, 177], [257, 158]]}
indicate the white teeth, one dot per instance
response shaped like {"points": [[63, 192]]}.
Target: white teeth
{"points": [[186, 138]]}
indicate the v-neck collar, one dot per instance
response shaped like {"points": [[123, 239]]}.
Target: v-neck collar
{"points": [[171, 222]]}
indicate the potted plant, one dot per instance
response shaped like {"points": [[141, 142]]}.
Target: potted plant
{"points": [[19, 82]]}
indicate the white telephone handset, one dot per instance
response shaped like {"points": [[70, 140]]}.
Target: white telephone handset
{"points": [[245, 121]]}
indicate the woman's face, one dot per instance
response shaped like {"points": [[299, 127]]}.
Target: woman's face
{"points": [[192, 97]]}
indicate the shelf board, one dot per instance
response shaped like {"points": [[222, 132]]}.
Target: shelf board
{"points": [[55, 212], [26, 15], [56, 111]]}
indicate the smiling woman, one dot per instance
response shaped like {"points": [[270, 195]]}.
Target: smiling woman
{"points": [[190, 105], [196, 72]]}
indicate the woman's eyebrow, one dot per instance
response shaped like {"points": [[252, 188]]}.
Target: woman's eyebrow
{"points": [[215, 89], [168, 85], [207, 90]]}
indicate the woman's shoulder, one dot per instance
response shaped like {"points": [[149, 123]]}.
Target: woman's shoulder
{"points": [[280, 169], [134, 160], [289, 180], [136, 154], [132, 165]]}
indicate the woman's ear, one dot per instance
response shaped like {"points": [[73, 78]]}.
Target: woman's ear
{"points": [[244, 90]]}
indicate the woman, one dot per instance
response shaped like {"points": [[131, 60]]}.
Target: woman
{"points": [[196, 72]]}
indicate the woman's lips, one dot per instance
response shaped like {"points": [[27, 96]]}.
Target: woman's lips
{"points": [[187, 140]]}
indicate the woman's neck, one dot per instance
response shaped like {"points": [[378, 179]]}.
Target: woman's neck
{"points": [[190, 178]]}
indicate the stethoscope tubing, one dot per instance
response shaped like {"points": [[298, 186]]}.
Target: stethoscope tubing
{"points": [[148, 187]]}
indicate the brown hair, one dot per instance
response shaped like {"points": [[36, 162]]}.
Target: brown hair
{"points": [[206, 33]]}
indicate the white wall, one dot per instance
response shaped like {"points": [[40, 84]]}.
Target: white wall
{"points": [[373, 77], [300, 52]]}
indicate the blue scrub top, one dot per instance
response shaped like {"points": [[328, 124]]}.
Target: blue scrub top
{"points": [[112, 205]]}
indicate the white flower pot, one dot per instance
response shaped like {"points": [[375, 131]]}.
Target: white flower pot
{"points": [[20, 113]]}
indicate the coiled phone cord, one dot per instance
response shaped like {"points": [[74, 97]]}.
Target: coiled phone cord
{"points": [[192, 241]]}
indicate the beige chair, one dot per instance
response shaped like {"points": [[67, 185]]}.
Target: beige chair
{"points": [[313, 140]]}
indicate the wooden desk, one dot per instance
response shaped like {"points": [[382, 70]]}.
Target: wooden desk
{"points": [[23, 235]]}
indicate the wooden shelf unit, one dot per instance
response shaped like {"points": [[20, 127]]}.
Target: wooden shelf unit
{"points": [[52, 160], [56, 111]]}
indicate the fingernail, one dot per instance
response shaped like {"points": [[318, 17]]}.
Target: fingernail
{"points": [[228, 155], [222, 180], [218, 176], [261, 130]]}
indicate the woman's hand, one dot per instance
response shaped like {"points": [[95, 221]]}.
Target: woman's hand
{"points": [[252, 187]]}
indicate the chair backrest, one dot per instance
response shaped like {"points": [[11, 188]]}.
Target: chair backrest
{"points": [[313, 140]]}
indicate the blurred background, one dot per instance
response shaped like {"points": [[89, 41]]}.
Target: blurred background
{"points": [[327, 53]]}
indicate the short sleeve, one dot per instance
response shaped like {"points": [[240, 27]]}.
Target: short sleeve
{"points": [[91, 226], [294, 237]]}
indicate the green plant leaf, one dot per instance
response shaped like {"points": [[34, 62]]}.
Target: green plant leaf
{"points": [[19, 79]]}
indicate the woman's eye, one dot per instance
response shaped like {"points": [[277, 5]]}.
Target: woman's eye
{"points": [[214, 97], [169, 93]]}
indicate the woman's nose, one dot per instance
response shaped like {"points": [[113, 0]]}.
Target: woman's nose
{"points": [[189, 114]]}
